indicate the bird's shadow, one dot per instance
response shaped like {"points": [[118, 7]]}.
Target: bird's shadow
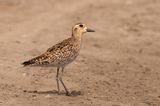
{"points": [[54, 92], [43, 92]]}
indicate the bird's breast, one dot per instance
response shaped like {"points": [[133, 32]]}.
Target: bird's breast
{"points": [[69, 54]]}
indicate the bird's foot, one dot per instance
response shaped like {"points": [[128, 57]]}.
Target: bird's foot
{"points": [[59, 93], [68, 94]]}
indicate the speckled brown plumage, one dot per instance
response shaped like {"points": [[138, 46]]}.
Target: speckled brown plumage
{"points": [[62, 53], [58, 55]]}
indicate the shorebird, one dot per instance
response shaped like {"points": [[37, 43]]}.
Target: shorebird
{"points": [[61, 54]]}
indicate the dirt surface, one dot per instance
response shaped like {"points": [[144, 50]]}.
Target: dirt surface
{"points": [[119, 64]]}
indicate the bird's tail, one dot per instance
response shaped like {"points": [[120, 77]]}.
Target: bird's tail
{"points": [[36, 61], [29, 62]]}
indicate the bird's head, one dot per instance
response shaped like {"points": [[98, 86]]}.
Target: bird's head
{"points": [[79, 29]]}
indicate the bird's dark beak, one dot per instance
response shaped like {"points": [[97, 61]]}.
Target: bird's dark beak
{"points": [[90, 30]]}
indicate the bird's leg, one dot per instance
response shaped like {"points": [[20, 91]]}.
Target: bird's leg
{"points": [[67, 92], [57, 79]]}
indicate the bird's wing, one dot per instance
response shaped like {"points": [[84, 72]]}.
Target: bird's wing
{"points": [[52, 55], [59, 46]]}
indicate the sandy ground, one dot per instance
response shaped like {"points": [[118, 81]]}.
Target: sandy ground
{"points": [[119, 65]]}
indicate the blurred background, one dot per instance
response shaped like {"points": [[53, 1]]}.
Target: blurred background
{"points": [[118, 64]]}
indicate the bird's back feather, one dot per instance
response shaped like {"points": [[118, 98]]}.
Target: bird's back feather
{"points": [[60, 53]]}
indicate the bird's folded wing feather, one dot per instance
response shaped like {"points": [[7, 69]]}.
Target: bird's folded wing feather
{"points": [[53, 55]]}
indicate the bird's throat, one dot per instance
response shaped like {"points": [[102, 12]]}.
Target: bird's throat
{"points": [[77, 36]]}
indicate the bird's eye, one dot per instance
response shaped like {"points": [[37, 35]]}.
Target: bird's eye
{"points": [[81, 25]]}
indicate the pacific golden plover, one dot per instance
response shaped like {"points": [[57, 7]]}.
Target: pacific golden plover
{"points": [[61, 54]]}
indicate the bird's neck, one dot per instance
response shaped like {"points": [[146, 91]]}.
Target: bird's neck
{"points": [[77, 36]]}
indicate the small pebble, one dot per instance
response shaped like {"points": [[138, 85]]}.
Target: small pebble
{"points": [[24, 74], [24, 90], [48, 96], [34, 96]]}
